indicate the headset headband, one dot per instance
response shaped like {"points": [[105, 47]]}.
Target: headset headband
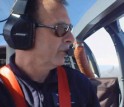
{"points": [[20, 7]]}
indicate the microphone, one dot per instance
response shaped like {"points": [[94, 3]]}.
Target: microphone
{"points": [[70, 52]]}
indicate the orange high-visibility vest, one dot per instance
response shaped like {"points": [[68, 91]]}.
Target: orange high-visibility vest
{"points": [[10, 81]]}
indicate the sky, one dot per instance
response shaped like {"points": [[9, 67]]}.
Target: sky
{"points": [[75, 8], [5, 7]]}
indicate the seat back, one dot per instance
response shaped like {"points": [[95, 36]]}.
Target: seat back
{"points": [[108, 91]]}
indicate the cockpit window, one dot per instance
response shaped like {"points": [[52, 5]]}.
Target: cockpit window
{"points": [[121, 20]]}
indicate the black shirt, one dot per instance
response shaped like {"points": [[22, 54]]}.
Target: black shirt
{"points": [[46, 94]]}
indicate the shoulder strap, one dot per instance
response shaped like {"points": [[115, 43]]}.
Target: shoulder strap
{"points": [[11, 83], [63, 88]]}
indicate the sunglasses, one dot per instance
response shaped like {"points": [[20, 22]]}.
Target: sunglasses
{"points": [[60, 29]]}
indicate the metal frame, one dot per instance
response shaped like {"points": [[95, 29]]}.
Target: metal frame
{"points": [[117, 36]]}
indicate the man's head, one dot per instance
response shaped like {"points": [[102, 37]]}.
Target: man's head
{"points": [[49, 49], [19, 29], [33, 6]]}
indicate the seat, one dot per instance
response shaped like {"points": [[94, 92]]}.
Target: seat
{"points": [[108, 91]]}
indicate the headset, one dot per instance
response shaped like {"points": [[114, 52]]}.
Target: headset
{"points": [[19, 30]]}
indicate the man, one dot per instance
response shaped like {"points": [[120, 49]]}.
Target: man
{"points": [[36, 68]]}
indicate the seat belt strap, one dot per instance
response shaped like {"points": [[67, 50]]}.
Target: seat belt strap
{"points": [[12, 85], [63, 88]]}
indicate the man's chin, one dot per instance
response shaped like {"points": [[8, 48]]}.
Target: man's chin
{"points": [[60, 62]]}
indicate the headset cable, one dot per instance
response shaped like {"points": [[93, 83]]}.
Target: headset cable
{"points": [[3, 20], [1, 34]]}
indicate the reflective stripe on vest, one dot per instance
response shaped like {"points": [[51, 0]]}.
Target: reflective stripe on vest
{"points": [[63, 88], [12, 85]]}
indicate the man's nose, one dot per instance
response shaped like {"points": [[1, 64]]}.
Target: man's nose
{"points": [[69, 38]]}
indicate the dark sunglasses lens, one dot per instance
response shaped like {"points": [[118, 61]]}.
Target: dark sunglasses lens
{"points": [[62, 29]]}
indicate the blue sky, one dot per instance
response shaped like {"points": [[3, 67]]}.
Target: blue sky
{"points": [[75, 8]]}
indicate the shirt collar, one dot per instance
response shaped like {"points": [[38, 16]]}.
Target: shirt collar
{"points": [[52, 77]]}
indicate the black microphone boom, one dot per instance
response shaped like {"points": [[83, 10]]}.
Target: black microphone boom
{"points": [[70, 52]]}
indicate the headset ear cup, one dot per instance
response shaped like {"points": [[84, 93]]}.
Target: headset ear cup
{"points": [[19, 32]]}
